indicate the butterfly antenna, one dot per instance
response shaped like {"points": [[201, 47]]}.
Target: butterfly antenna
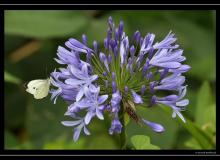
{"points": [[25, 85]]}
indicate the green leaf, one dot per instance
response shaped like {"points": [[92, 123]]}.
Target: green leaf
{"points": [[203, 107], [201, 137], [209, 119], [204, 140], [44, 24], [11, 78], [192, 144], [142, 142]]}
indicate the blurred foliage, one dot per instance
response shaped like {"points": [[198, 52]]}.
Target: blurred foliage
{"points": [[31, 41], [10, 78], [142, 142], [43, 24]]}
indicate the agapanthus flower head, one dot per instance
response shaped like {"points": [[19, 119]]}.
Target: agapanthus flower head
{"points": [[125, 75]]}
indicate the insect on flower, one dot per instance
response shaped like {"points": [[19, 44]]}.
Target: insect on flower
{"points": [[39, 88], [130, 110]]}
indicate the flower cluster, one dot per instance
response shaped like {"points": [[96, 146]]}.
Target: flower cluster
{"points": [[118, 77]]}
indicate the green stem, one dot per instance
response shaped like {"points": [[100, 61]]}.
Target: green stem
{"points": [[123, 134]]}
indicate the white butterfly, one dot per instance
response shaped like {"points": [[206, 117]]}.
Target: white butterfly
{"points": [[39, 88]]}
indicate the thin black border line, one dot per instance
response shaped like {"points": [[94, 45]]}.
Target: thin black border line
{"points": [[112, 155], [214, 4], [215, 152]]}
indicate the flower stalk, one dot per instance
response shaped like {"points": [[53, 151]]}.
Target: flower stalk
{"points": [[123, 141]]}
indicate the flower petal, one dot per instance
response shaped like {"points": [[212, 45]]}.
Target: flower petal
{"points": [[80, 94], [82, 104], [147, 43], [174, 114], [99, 114], [76, 134], [77, 73], [181, 69], [71, 123], [116, 126], [168, 64], [55, 94], [77, 46], [182, 92], [86, 131], [180, 115], [93, 77], [59, 61], [102, 99], [88, 117], [85, 69], [154, 126], [182, 102], [87, 92], [123, 47], [93, 88], [136, 98], [74, 82], [172, 97]]}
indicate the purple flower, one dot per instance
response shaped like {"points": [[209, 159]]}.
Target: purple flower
{"points": [[182, 69], [77, 130], [114, 87], [113, 76], [172, 82], [136, 98], [110, 23], [115, 101], [104, 60], [175, 102], [145, 67], [95, 45], [132, 51], [84, 39], [82, 79], [67, 92], [167, 59], [123, 74], [123, 49], [120, 29], [126, 90], [143, 88], [67, 57], [166, 42], [136, 37], [147, 43], [77, 46], [163, 73], [154, 126], [94, 104], [115, 126]]}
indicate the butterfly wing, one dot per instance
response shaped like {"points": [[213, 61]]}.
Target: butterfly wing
{"points": [[42, 91], [39, 88]]}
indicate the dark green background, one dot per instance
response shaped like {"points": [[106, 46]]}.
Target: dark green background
{"points": [[35, 124]]}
